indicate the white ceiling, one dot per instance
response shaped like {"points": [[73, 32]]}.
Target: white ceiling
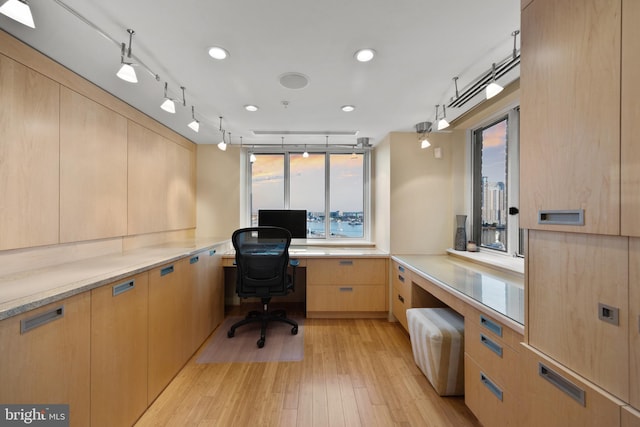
{"points": [[421, 45]]}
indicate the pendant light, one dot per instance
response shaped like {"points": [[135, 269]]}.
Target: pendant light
{"points": [[126, 71], [442, 123], [18, 10], [168, 105], [222, 145], [195, 124], [493, 88]]}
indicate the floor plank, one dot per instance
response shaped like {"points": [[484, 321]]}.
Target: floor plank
{"points": [[355, 372]]}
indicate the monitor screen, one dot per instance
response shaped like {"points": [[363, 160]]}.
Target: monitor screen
{"points": [[293, 220]]}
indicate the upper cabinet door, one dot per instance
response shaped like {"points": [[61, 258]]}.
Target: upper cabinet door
{"points": [[570, 116], [29, 157], [93, 170], [630, 132]]}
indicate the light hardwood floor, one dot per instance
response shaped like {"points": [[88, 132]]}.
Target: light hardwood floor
{"points": [[354, 373]]}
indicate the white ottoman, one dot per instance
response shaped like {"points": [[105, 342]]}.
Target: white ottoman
{"points": [[437, 340]]}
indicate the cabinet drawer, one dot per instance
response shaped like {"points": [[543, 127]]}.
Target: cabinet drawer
{"points": [[493, 328], [493, 405], [401, 278], [557, 397], [346, 298], [400, 303], [346, 271], [496, 359]]}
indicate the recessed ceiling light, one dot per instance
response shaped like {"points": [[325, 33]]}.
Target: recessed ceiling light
{"points": [[365, 55], [217, 52], [347, 108], [251, 107]]}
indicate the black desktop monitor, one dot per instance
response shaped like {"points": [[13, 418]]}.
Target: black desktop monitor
{"points": [[293, 220]]}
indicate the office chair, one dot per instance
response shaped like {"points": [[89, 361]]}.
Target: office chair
{"points": [[262, 258]]}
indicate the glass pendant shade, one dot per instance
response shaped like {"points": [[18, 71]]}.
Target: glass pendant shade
{"points": [[127, 73], [18, 10], [493, 89], [443, 124], [222, 146], [425, 143], [195, 125], [169, 106]]}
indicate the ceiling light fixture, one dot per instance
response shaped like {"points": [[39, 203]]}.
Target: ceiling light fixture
{"points": [[18, 10], [126, 71], [423, 129], [217, 52], [251, 107], [306, 153], [222, 145], [348, 108], [195, 124], [493, 88], [364, 55], [442, 123], [168, 105], [252, 158]]}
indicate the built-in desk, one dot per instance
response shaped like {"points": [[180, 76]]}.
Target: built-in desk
{"points": [[334, 281], [492, 303]]}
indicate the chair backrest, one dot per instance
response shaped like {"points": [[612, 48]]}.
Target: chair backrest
{"points": [[262, 258]]}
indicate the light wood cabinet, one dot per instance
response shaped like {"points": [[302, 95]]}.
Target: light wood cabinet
{"points": [[401, 295], [554, 396], [93, 170], [630, 417], [634, 322], [570, 120], [45, 357], [119, 351], [29, 153], [169, 320], [570, 277], [180, 187], [347, 285], [630, 121]]}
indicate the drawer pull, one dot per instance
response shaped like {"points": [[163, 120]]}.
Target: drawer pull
{"points": [[123, 287], [566, 386], [346, 289], [561, 217], [31, 323], [491, 345], [401, 298], [401, 269], [212, 252], [166, 270], [194, 259], [346, 262], [609, 314], [491, 386], [401, 278], [491, 325]]}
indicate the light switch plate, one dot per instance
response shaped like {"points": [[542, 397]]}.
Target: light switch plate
{"points": [[437, 152]]}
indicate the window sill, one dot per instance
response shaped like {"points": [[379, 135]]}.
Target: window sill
{"points": [[493, 260]]}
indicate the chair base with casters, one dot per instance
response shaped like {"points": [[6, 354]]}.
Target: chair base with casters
{"points": [[264, 317]]}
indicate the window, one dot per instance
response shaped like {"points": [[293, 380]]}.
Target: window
{"points": [[331, 187], [494, 220]]}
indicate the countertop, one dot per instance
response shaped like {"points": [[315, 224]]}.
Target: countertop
{"points": [[316, 251], [499, 290], [26, 290]]}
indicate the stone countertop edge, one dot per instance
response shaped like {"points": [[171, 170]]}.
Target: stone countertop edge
{"points": [[58, 292]]}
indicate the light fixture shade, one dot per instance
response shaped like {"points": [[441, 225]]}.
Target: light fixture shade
{"points": [[493, 89], [443, 124], [222, 146], [251, 108], [169, 106], [127, 73], [195, 125], [217, 52], [348, 108], [18, 10], [252, 158], [425, 143], [305, 154], [365, 55]]}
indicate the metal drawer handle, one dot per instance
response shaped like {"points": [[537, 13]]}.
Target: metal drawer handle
{"points": [[491, 325], [401, 278], [194, 259], [346, 262], [212, 252], [491, 345], [561, 217], [123, 287], [401, 298], [566, 386], [401, 269], [31, 323], [346, 289], [491, 386], [166, 270]]}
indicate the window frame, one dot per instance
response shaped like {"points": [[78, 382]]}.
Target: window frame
{"points": [[327, 151], [515, 237]]}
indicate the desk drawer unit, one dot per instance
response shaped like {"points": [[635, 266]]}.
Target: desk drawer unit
{"points": [[347, 285], [401, 296]]}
